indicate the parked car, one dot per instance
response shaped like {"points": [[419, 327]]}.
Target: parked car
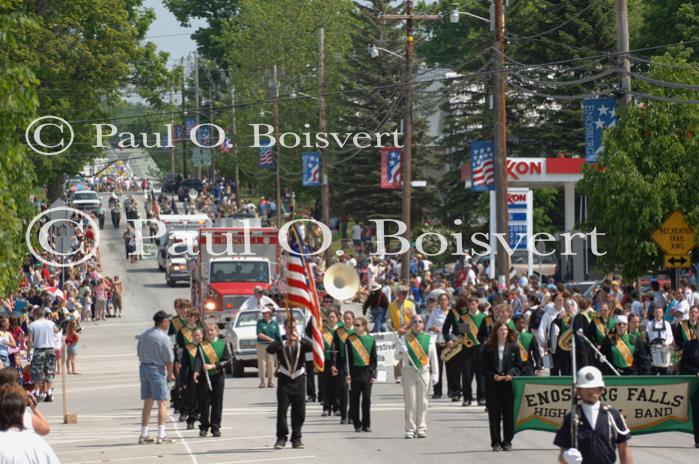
{"points": [[241, 336], [186, 186]]}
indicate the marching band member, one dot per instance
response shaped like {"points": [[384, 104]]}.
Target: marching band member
{"points": [[400, 312], [584, 320], [601, 429], [342, 331], [187, 370], [209, 373], [434, 326], [602, 324], [659, 333], [327, 379], [468, 326], [532, 364], [360, 371], [177, 322], [621, 350], [419, 355], [689, 365], [638, 335], [291, 384], [686, 331], [500, 361], [420, 368]]}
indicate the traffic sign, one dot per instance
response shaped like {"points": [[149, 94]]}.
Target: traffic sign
{"points": [[677, 261], [675, 236]]}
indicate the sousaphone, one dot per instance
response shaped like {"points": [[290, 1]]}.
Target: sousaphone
{"points": [[341, 281]]}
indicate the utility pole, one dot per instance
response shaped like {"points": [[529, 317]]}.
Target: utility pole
{"points": [[277, 146], [409, 19], [502, 259], [323, 128], [235, 150], [212, 116], [197, 102], [172, 142], [184, 123], [622, 45]]}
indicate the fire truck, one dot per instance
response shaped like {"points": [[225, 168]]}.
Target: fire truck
{"points": [[229, 266]]}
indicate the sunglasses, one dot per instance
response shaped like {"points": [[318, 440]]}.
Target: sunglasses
{"points": [[417, 322], [358, 325]]}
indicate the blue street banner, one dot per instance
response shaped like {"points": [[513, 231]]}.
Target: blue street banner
{"points": [[599, 114], [189, 123], [482, 166], [204, 135], [179, 134], [311, 168], [166, 140], [391, 168], [266, 156]]}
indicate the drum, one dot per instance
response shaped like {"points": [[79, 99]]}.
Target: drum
{"points": [[548, 361], [661, 356]]}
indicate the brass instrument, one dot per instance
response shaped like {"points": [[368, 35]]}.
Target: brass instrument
{"points": [[341, 281], [449, 353], [565, 340]]}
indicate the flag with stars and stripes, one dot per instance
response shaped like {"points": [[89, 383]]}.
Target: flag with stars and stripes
{"points": [[482, 165], [311, 168], [266, 156], [301, 291], [227, 145], [599, 114], [391, 168]]}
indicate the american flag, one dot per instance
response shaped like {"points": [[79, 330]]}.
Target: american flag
{"points": [[266, 157], [301, 292], [482, 166], [311, 169], [391, 168]]}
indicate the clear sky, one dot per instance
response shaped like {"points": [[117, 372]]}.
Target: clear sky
{"points": [[179, 43]]}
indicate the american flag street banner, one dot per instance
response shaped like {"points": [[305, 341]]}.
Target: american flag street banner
{"points": [[189, 124], [301, 292], [266, 157], [204, 135], [391, 168], [598, 114], [311, 168], [482, 166], [179, 134]]}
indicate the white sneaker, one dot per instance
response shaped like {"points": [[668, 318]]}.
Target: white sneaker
{"points": [[164, 441], [409, 435]]}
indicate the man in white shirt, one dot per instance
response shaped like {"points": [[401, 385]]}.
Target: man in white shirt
{"points": [[356, 235], [258, 300], [680, 311]]}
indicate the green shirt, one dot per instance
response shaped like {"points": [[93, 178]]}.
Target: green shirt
{"points": [[271, 329]]}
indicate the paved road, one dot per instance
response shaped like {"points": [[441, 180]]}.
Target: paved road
{"points": [[106, 399]]}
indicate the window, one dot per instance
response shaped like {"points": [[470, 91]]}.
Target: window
{"points": [[248, 319], [237, 271]]}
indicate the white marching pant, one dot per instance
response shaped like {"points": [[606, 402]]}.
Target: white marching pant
{"points": [[415, 394]]}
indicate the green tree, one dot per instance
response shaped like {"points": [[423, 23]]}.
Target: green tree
{"points": [[18, 102], [648, 170], [84, 53], [668, 21]]}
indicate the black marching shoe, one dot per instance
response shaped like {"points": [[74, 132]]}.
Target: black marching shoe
{"points": [[497, 448], [366, 429], [48, 398], [182, 418], [190, 426], [216, 433], [466, 403], [436, 396], [507, 446], [202, 433], [454, 399], [343, 421], [297, 444], [481, 402], [279, 444], [357, 429]]}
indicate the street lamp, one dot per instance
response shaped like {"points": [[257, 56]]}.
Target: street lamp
{"points": [[455, 14], [374, 52]]}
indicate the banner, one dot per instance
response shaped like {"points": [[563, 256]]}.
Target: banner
{"points": [[650, 404], [482, 166], [311, 168], [179, 134], [391, 168], [266, 156], [599, 114]]}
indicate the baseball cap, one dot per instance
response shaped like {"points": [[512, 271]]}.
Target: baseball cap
{"points": [[160, 316]]}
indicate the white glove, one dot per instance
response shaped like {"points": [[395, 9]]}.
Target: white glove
{"points": [[435, 379], [572, 456]]}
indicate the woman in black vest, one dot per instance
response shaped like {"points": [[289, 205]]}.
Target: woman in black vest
{"points": [[500, 361]]}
